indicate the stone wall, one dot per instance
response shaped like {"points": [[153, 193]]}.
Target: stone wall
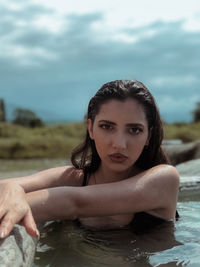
{"points": [[18, 249], [179, 153]]}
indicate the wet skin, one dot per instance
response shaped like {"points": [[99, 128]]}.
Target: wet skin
{"points": [[120, 132]]}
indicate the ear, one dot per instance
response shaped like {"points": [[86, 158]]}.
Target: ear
{"points": [[149, 137], [90, 128]]}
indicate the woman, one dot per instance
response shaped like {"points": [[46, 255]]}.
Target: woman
{"points": [[120, 172]]}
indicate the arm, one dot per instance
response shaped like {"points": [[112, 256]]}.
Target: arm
{"points": [[154, 190], [54, 177], [13, 204]]}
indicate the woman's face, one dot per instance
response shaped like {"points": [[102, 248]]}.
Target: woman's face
{"points": [[120, 132]]}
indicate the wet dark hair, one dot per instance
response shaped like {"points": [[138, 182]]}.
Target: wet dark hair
{"points": [[85, 155]]}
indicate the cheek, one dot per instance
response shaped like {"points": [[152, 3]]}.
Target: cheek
{"points": [[138, 143], [102, 143], [101, 149]]}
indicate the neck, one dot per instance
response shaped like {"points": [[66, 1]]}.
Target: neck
{"points": [[104, 175]]}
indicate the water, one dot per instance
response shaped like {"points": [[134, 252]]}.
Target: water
{"points": [[67, 244], [187, 232], [22, 167]]}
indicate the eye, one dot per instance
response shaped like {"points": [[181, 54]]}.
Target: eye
{"points": [[106, 126], [135, 130]]}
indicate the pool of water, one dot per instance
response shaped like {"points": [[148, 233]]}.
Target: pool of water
{"points": [[187, 233], [65, 244]]}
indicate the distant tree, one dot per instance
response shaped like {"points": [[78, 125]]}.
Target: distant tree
{"points": [[196, 113], [26, 118], [2, 110]]}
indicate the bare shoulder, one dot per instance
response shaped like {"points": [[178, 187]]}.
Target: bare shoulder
{"points": [[161, 180], [162, 176], [166, 174], [72, 176]]}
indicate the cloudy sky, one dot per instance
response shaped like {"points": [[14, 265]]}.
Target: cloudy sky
{"points": [[55, 54]]}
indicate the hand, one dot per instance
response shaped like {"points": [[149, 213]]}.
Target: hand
{"points": [[15, 209]]}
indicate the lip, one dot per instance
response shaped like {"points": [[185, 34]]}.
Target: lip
{"points": [[118, 157]]}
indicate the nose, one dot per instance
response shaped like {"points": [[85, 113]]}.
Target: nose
{"points": [[119, 141]]}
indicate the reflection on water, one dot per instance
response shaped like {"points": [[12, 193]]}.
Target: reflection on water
{"points": [[67, 244], [188, 233]]}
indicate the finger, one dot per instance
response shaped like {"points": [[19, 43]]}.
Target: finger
{"points": [[7, 224], [29, 223], [3, 211]]}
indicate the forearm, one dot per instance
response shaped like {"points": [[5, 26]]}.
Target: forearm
{"points": [[49, 178], [53, 204], [69, 203]]}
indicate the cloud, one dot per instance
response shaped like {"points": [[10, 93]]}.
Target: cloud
{"points": [[56, 69]]}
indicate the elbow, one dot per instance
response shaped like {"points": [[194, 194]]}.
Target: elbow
{"points": [[60, 204], [172, 174], [175, 176], [81, 206], [173, 180], [171, 177], [77, 210], [72, 206], [74, 214], [169, 172]]}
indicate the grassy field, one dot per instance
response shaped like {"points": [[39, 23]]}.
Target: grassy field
{"points": [[57, 141], [187, 132]]}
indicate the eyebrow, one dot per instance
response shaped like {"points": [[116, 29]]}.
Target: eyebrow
{"points": [[128, 124]]}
